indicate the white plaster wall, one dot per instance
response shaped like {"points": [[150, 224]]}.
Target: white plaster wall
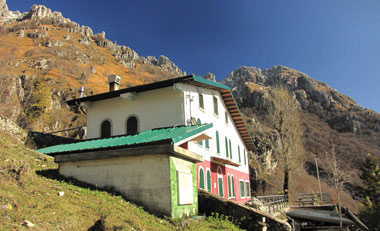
{"points": [[157, 108], [192, 109], [144, 179]]}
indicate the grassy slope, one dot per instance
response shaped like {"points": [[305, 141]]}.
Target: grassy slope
{"points": [[31, 196]]}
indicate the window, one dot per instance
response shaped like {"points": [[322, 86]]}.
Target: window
{"points": [[201, 104], [245, 158], [132, 125], [242, 194], [216, 112], [217, 142], [226, 146], [229, 186], [201, 178], [208, 177], [239, 154], [230, 150], [220, 182], [247, 189], [105, 129], [226, 117], [233, 185]]}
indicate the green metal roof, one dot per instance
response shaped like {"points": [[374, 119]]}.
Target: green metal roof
{"points": [[174, 134], [209, 82]]}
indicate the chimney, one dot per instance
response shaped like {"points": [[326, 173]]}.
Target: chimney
{"points": [[81, 92], [114, 82]]}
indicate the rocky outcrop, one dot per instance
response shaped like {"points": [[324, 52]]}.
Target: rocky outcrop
{"points": [[6, 14], [251, 87], [10, 127], [164, 63], [210, 76]]}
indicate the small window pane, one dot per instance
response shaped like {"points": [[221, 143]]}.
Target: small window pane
{"points": [[247, 188], [105, 129], [239, 154], [226, 117], [215, 105], [242, 194], [201, 105], [207, 144]]}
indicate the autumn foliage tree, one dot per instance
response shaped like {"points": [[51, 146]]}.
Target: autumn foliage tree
{"points": [[284, 116]]}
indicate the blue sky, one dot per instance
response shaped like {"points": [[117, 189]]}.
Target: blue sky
{"points": [[334, 41]]}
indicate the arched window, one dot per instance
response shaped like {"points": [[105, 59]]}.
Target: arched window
{"points": [[132, 125], [105, 129], [229, 185], [230, 150], [208, 177], [220, 182], [201, 178], [233, 185], [217, 142]]}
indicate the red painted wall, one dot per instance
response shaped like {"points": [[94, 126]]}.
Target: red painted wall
{"points": [[214, 180]]}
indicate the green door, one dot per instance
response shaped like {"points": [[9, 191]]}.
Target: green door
{"points": [[220, 186]]}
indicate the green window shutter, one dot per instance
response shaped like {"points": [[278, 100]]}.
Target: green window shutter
{"points": [[207, 144], [208, 176], [220, 186], [201, 179], [226, 147], [242, 189], [217, 142], [230, 150], [239, 154], [247, 188], [245, 158], [199, 122], [233, 186], [229, 185]]}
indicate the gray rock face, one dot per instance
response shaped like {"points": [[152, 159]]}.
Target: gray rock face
{"points": [[6, 14], [210, 76], [251, 87], [164, 63]]}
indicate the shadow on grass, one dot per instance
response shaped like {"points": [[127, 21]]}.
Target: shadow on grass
{"points": [[54, 175]]}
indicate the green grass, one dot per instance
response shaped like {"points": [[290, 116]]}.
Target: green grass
{"points": [[29, 187]]}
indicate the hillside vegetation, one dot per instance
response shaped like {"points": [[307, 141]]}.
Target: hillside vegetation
{"points": [[30, 187]]}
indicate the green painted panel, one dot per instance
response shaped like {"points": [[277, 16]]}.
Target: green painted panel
{"points": [[233, 186], [229, 186], [217, 142], [226, 147], [179, 211]]}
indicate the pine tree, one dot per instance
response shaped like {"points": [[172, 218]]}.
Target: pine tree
{"points": [[371, 177]]}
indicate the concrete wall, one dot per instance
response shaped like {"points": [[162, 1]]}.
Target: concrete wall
{"points": [[142, 179], [154, 109]]}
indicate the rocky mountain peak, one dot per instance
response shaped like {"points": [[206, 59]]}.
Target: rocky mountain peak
{"points": [[210, 76], [5, 13]]}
